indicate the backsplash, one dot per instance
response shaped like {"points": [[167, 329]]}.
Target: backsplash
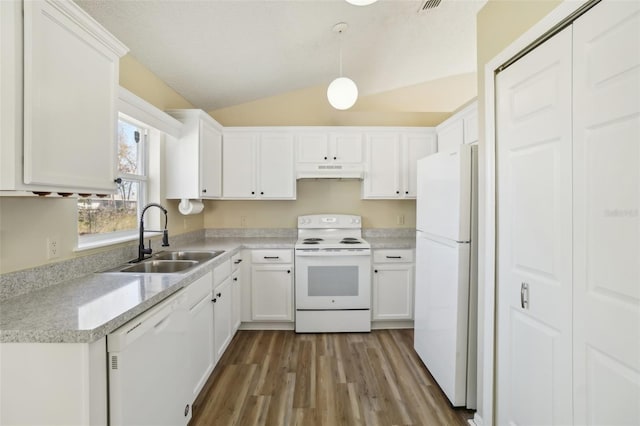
{"points": [[16, 283]]}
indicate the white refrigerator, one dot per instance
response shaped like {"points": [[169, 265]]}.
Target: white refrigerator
{"points": [[445, 333]]}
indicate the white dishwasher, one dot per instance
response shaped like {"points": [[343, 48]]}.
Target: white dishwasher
{"points": [[147, 372]]}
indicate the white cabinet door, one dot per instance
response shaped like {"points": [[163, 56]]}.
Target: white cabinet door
{"points": [[534, 384], [200, 334], [272, 292], [606, 184], [450, 136], [393, 291], [236, 301], [222, 299], [70, 83], [210, 161], [313, 147], [415, 147], [382, 178], [239, 165], [276, 178], [346, 148]]}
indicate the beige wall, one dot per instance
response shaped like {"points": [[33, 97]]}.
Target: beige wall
{"points": [[314, 197], [499, 23], [27, 222]]}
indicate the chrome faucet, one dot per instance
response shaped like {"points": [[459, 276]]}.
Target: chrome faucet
{"points": [[142, 251]]}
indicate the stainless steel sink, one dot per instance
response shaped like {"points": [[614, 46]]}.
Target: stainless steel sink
{"points": [[199, 256], [167, 262], [160, 266]]}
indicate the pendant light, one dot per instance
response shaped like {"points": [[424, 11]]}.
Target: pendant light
{"points": [[342, 93], [361, 2]]}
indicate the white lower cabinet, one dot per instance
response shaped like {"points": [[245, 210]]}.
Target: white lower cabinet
{"points": [[393, 283], [222, 301], [271, 285], [202, 357]]}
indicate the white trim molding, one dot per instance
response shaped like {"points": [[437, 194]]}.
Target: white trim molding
{"points": [[141, 110]]}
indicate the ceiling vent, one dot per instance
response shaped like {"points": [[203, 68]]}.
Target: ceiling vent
{"points": [[430, 4]]}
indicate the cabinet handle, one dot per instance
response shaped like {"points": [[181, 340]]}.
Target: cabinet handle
{"points": [[288, 271], [186, 410], [375, 271], [237, 261], [326, 158], [261, 193], [524, 295], [118, 180], [214, 300], [335, 158], [253, 192], [235, 279], [394, 257], [406, 192], [204, 190], [219, 295], [272, 257], [397, 192]]}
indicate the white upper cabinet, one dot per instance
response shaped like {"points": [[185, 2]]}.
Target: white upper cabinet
{"points": [[391, 160], [194, 162], [321, 146], [60, 77], [258, 165], [461, 128]]}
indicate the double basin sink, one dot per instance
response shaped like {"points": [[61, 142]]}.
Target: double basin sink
{"points": [[168, 262]]}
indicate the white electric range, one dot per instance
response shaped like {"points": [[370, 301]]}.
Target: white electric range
{"points": [[333, 275]]}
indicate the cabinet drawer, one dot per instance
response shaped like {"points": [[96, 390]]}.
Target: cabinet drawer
{"points": [[271, 256], [393, 256], [236, 260], [221, 273]]}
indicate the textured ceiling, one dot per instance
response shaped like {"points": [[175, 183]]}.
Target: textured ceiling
{"points": [[219, 53]]}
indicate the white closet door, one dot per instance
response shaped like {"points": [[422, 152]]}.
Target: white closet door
{"points": [[606, 221], [534, 383]]}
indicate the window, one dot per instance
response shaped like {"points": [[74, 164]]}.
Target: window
{"points": [[116, 216]]}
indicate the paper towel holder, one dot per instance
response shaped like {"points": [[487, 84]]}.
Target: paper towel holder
{"points": [[190, 207]]}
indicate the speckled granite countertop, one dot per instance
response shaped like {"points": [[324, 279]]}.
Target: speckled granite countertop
{"points": [[87, 308]]}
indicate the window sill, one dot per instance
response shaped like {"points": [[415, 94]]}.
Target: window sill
{"points": [[91, 244]]}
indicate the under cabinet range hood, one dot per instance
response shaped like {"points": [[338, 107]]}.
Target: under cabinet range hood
{"points": [[329, 171]]}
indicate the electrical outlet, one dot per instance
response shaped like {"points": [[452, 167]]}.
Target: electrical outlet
{"points": [[53, 251], [400, 220], [243, 221]]}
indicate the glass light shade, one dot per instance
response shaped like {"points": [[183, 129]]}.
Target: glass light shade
{"points": [[342, 93], [361, 2]]}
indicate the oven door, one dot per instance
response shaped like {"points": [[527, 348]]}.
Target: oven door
{"points": [[327, 280]]}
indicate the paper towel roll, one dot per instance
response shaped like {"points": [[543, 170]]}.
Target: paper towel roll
{"points": [[187, 207]]}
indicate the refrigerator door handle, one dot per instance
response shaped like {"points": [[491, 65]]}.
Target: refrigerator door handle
{"points": [[524, 295]]}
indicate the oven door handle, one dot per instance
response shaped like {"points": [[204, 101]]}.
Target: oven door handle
{"points": [[341, 253]]}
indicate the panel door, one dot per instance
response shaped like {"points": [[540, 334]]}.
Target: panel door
{"points": [[222, 317], [346, 148], [313, 147], [606, 221], [416, 146], [534, 237], [201, 341], [210, 161], [69, 103], [382, 179], [276, 166], [393, 292], [451, 136], [238, 162], [272, 293], [236, 302]]}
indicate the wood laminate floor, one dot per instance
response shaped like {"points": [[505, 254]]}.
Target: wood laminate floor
{"points": [[284, 378]]}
